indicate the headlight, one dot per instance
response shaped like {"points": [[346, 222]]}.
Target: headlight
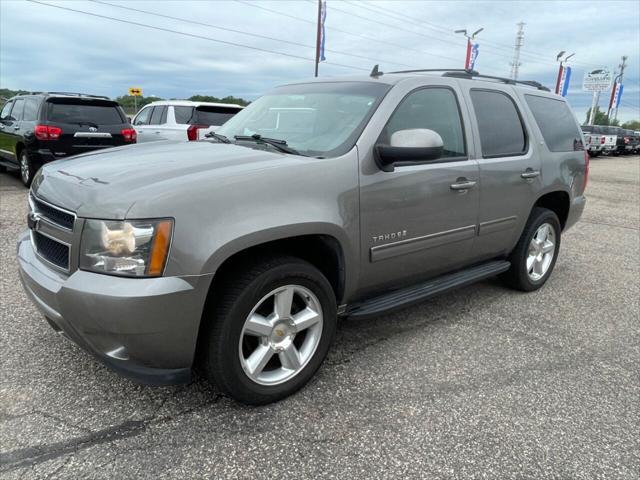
{"points": [[134, 248]]}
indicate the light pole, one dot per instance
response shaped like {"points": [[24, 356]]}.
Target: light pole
{"points": [[562, 62], [468, 64]]}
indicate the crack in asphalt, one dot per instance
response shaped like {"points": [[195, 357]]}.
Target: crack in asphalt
{"points": [[31, 456]]}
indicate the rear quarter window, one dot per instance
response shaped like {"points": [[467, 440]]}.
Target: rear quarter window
{"points": [[183, 114], [75, 111], [213, 115], [556, 122]]}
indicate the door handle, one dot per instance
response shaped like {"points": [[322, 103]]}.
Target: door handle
{"points": [[530, 173], [463, 185], [17, 127]]}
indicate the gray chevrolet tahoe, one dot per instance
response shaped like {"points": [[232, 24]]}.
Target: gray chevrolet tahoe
{"points": [[236, 255]]}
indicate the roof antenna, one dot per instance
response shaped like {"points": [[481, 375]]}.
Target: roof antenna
{"points": [[375, 72]]}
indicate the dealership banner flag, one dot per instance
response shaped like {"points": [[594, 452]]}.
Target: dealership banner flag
{"points": [[564, 81], [472, 55]]}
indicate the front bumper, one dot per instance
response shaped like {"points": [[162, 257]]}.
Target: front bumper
{"points": [[144, 328]]}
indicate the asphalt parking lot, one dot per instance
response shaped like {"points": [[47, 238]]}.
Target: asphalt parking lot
{"points": [[480, 383]]}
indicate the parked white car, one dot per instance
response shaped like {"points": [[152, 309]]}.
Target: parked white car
{"points": [[181, 120]]}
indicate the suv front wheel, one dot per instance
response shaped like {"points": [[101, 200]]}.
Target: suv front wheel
{"points": [[269, 330], [535, 255]]}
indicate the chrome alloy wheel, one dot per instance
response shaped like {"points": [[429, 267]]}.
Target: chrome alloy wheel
{"points": [[542, 248], [24, 168], [280, 335]]}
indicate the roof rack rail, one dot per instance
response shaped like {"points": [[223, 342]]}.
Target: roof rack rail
{"points": [[465, 73], [76, 94], [472, 74]]}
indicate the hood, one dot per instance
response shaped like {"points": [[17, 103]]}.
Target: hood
{"points": [[106, 184]]}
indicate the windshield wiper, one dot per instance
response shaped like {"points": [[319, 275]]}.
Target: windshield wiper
{"points": [[217, 136], [274, 142]]}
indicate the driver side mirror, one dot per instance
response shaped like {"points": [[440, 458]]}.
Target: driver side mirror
{"points": [[409, 146]]}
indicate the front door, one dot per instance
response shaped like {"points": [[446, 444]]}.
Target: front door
{"points": [[420, 220]]}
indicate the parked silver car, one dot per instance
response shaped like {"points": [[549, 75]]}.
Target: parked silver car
{"points": [[326, 198], [181, 120]]}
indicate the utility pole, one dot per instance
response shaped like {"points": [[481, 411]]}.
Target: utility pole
{"points": [[515, 65], [622, 67]]}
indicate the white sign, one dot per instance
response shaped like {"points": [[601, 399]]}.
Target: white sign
{"points": [[597, 81]]}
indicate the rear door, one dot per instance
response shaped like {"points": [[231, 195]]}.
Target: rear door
{"points": [[11, 130], [6, 124], [87, 124], [510, 170]]}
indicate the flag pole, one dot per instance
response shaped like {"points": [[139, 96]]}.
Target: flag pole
{"points": [[318, 33]]}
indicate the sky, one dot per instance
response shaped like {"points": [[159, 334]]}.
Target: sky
{"points": [[226, 47]]}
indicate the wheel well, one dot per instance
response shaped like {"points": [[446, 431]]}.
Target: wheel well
{"points": [[558, 202], [19, 148], [322, 251]]}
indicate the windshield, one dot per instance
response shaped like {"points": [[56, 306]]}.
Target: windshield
{"points": [[316, 119]]}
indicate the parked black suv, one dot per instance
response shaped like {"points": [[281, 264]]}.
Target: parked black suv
{"points": [[41, 127]]}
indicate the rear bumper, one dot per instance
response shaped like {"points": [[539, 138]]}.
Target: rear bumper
{"points": [[143, 328], [575, 211]]}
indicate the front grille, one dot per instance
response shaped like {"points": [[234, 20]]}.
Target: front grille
{"points": [[51, 250], [55, 215]]}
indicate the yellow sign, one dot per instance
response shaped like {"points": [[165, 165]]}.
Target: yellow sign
{"points": [[135, 92]]}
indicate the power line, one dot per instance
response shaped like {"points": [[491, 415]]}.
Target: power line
{"points": [[345, 32], [534, 56], [192, 35], [227, 29], [542, 58]]}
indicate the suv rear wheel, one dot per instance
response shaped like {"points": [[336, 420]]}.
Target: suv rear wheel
{"points": [[535, 255], [26, 168], [269, 331]]}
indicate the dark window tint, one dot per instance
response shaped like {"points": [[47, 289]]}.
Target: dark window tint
{"points": [[432, 108], [556, 123], [183, 114], [30, 110], [143, 117], [212, 115], [4, 115], [501, 130], [18, 108], [156, 116], [83, 112]]}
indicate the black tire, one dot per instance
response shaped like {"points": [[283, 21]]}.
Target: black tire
{"points": [[218, 348], [27, 169], [517, 277]]}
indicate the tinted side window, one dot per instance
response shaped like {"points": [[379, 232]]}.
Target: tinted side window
{"points": [[5, 111], [501, 130], [143, 117], [432, 108], [556, 123], [183, 114], [31, 110], [18, 108], [156, 116]]}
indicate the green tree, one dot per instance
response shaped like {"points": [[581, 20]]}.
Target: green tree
{"points": [[632, 125], [227, 99], [600, 118]]}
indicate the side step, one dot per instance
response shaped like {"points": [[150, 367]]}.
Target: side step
{"points": [[422, 291]]}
